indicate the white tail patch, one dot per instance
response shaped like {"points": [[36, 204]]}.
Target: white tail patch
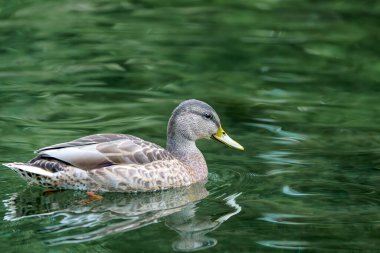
{"points": [[28, 168]]}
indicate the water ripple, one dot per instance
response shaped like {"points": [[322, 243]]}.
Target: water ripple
{"points": [[280, 157], [291, 192], [282, 218], [295, 245], [285, 135], [273, 172]]}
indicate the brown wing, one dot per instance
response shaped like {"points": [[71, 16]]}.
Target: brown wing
{"points": [[96, 151]]}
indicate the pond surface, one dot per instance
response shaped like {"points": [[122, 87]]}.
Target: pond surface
{"points": [[297, 83]]}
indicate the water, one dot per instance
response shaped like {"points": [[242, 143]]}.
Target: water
{"points": [[295, 82]]}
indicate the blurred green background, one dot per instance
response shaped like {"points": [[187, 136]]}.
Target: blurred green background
{"points": [[296, 82]]}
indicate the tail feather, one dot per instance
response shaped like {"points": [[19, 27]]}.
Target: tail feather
{"points": [[28, 170], [71, 178]]}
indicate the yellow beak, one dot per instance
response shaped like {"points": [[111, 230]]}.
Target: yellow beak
{"points": [[222, 136]]}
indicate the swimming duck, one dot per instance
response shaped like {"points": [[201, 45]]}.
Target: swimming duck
{"points": [[125, 163]]}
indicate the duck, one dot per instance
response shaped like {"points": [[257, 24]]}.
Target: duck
{"points": [[126, 163]]}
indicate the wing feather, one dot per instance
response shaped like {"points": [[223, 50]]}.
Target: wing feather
{"points": [[96, 151], [89, 140]]}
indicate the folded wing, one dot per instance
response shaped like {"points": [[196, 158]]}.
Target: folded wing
{"points": [[96, 151]]}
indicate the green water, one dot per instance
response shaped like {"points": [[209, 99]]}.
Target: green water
{"points": [[295, 82]]}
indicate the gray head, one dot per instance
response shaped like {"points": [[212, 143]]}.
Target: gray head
{"points": [[193, 120]]}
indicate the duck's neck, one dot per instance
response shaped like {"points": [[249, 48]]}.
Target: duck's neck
{"points": [[187, 152]]}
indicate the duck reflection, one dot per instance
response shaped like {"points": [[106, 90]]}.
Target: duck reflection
{"points": [[120, 212]]}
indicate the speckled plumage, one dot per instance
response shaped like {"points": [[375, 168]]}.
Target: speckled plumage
{"points": [[125, 163]]}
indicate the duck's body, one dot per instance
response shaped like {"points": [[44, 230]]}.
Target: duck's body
{"points": [[107, 162], [119, 162]]}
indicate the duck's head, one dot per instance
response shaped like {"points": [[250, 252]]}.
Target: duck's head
{"points": [[193, 120]]}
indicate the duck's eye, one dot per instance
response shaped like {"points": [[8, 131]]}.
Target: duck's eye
{"points": [[207, 115]]}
